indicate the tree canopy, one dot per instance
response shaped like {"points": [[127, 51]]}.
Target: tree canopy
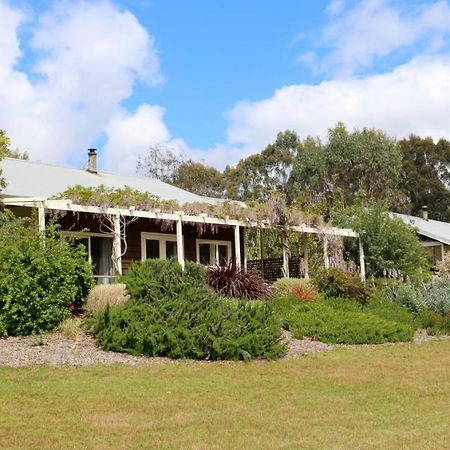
{"points": [[322, 175], [425, 176]]}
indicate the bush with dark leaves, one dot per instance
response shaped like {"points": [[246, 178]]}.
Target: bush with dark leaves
{"points": [[236, 282]]}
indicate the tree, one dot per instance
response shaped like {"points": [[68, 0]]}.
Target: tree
{"points": [[258, 176], [169, 166], [200, 179], [425, 176], [161, 163], [349, 162], [388, 242]]}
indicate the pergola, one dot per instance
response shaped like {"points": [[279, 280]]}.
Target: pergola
{"points": [[116, 214]]}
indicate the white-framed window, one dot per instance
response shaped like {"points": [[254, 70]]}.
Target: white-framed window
{"points": [[99, 251], [158, 245], [210, 252]]}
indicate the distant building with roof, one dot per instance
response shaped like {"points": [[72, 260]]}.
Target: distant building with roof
{"points": [[434, 234]]}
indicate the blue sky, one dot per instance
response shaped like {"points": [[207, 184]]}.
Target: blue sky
{"points": [[216, 80]]}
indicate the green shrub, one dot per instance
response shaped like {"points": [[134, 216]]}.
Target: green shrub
{"points": [[299, 288], [39, 280], [435, 323], [153, 279], [175, 314], [436, 296], [407, 295], [335, 282], [3, 332], [328, 324], [381, 305]]}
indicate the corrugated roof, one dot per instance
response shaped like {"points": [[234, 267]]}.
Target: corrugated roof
{"points": [[36, 179], [433, 229]]}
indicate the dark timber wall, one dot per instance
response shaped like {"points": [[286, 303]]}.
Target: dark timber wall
{"points": [[191, 232]]}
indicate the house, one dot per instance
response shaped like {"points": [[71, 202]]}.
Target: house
{"points": [[131, 234], [434, 234]]}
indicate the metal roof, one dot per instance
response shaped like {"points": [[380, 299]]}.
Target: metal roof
{"points": [[36, 179], [433, 229]]}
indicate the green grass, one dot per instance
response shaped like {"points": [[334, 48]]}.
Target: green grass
{"points": [[384, 397]]}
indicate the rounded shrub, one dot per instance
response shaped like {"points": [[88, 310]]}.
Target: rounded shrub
{"points": [[299, 288], [436, 296], [40, 278], [174, 313], [335, 282]]}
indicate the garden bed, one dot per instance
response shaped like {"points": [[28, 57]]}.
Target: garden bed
{"points": [[55, 349]]}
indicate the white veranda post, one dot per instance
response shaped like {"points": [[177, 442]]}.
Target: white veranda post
{"points": [[305, 254], [180, 246], [362, 264], [41, 217], [237, 246], [117, 248], [325, 253]]}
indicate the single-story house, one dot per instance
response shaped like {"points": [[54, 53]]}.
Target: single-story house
{"points": [[434, 234], [200, 238]]}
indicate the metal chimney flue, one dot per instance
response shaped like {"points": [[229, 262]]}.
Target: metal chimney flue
{"points": [[92, 160], [424, 212]]}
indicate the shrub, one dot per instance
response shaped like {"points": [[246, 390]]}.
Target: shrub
{"points": [[3, 332], [435, 323], [299, 288], [436, 296], [39, 280], [407, 295], [235, 282], [331, 325], [103, 295], [172, 313], [335, 282], [152, 279], [71, 328]]}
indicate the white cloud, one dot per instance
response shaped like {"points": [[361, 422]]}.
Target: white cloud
{"points": [[359, 35], [413, 98], [88, 57], [130, 134]]}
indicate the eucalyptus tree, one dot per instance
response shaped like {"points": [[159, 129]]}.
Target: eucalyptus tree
{"points": [[425, 176]]}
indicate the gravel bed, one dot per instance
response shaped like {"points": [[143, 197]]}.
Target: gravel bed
{"points": [[56, 350]]}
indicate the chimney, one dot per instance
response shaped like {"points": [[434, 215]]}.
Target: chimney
{"points": [[424, 212], [92, 160]]}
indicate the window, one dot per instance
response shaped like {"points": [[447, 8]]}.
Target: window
{"points": [[212, 252], [99, 250], [158, 245]]}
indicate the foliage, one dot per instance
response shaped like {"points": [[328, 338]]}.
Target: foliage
{"points": [[161, 163], [169, 165], [3, 332], [364, 159], [407, 295], [344, 324], [436, 296], [382, 306], [231, 281], [104, 295], [274, 211], [260, 175], [174, 313], [39, 279], [149, 280], [388, 242], [426, 176], [335, 282], [4, 149], [435, 323], [299, 288]]}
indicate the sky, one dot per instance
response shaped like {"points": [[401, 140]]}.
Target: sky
{"points": [[216, 80]]}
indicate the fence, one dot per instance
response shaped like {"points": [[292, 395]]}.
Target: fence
{"points": [[271, 269]]}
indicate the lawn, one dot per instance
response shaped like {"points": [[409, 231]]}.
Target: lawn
{"points": [[384, 397]]}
